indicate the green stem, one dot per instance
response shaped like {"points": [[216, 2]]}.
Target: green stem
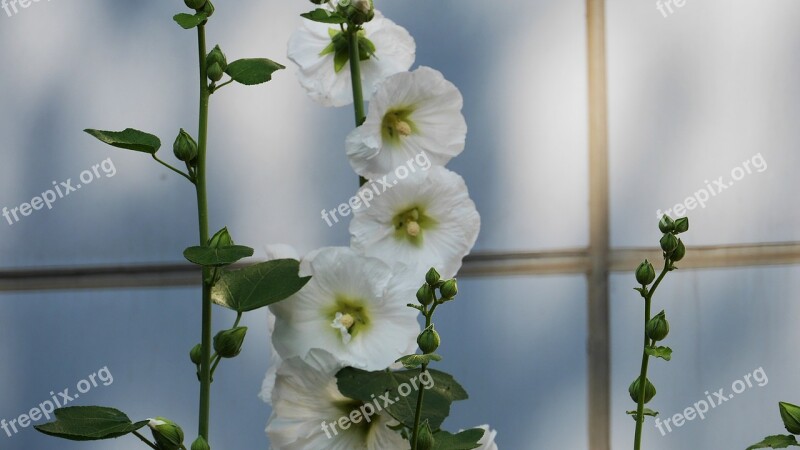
{"points": [[421, 392], [145, 440], [648, 299], [178, 171], [202, 213], [355, 77]]}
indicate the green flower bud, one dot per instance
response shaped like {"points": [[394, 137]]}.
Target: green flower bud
{"points": [[228, 343], [669, 243], [168, 434], [635, 388], [196, 354], [657, 328], [195, 4], [221, 239], [208, 8], [681, 225], [428, 340], [200, 444], [449, 289], [645, 273], [432, 277], [426, 294], [357, 12], [666, 224], [791, 417], [185, 148], [425, 440], [679, 252], [216, 63]]}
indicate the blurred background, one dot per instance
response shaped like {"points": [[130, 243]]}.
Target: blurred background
{"points": [[693, 95]]}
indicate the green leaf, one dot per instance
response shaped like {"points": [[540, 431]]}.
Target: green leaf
{"points": [[465, 440], [217, 257], [189, 21], [441, 390], [89, 423], [324, 16], [258, 285], [128, 139], [664, 353], [414, 361], [645, 412], [776, 441], [252, 71]]}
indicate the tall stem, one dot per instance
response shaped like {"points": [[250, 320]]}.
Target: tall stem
{"points": [[637, 439], [355, 79], [202, 214], [421, 391]]}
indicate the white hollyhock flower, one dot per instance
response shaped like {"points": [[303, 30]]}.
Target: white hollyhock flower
{"points": [[425, 220], [410, 112], [327, 79], [307, 409], [354, 307], [274, 362]]}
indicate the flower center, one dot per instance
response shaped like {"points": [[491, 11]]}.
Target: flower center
{"points": [[397, 124], [410, 225], [349, 317]]}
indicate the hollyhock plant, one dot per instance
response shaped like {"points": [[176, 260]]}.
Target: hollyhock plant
{"points": [[354, 307], [321, 53], [307, 406], [426, 220], [410, 112]]}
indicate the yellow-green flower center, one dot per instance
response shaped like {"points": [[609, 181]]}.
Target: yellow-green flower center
{"points": [[397, 124], [411, 224], [352, 315]]}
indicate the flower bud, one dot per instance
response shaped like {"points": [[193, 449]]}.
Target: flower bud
{"points": [[428, 340], [195, 4], [221, 239], [666, 224], [657, 328], [185, 148], [635, 388], [200, 444], [196, 354], [425, 439], [208, 8], [791, 417], [168, 434], [357, 12], [681, 225], [228, 343], [426, 294], [432, 277], [645, 273], [679, 252], [449, 289], [669, 243], [216, 63]]}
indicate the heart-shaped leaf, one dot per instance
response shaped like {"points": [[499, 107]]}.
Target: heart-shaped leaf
{"points": [[89, 423], [128, 139], [217, 257], [189, 21], [258, 285], [252, 71]]}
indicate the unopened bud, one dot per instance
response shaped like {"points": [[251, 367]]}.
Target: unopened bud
{"points": [[425, 439], [221, 239], [426, 294], [196, 354], [432, 277], [657, 328], [635, 389], [645, 273], [791, 417], [449, 289], [228, 343], [428, 340], [195, 4], [208, 8], [666, 224], [679, 252], [200, 444], [216, 63], [185, 147], [669, 243], [168, 434], [681, 225]]}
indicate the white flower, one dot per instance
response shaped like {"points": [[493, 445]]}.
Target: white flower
{"points": [[274, 362], [354, 307], [307, 409], [312, 48], [410, 112], [425, 220]]}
